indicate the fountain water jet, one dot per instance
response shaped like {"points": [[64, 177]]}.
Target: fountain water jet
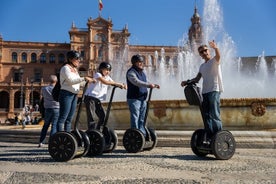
{"points": [[248, 101]]}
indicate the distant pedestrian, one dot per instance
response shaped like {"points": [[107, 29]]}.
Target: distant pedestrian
{"points": [[26, 115], [51, 110], [16, 120], [36, 107]]}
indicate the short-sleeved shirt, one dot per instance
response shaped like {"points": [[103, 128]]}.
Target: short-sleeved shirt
{"points": [[98, 89], [212, 77]]}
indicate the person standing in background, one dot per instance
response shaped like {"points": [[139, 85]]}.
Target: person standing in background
{"points": [[51, 110]]}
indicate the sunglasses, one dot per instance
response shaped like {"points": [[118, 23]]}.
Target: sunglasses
{"points": [[202, 51], [76, 59]]}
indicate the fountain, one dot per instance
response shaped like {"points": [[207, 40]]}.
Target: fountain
{"points": [[248, 101]]}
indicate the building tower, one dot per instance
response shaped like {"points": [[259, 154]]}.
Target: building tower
{"points": [[195, 31]]}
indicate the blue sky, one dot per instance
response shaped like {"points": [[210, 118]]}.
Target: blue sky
{"points": [[250, 23]]}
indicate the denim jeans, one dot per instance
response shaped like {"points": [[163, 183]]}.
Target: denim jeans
{"points": [[51, 116], [211, 112], [67, 103], [137, 114]]}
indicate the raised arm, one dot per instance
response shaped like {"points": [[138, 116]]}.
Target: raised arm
{"points": [[217, 52]]}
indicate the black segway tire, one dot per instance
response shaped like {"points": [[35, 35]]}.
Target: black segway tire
{"points": [[83, 143], [97, 142], [111, 139], [153, 137], [223, 145], [62, 146], [133, 140], [196, 143]]}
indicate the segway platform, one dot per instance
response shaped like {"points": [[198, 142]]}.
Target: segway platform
{"points": [[222, 145], [64, 146], [104, 140], [135, 141]]}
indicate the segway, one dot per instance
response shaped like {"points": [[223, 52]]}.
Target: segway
{"points": [[64, 146], [104, 139], [222, 144], [135, 141]]}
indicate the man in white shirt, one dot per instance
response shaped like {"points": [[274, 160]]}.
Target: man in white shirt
{"points": [[212, 86]]}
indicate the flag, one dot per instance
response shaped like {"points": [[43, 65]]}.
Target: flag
{"points": [[100, 5]]}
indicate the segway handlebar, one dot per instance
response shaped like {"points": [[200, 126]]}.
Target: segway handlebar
{"points": [[110, 102], [190, 82]]}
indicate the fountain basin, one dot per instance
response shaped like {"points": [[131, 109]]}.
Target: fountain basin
{"points": [[236, 114]]}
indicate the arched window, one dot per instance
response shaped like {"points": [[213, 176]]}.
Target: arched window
{"points": [[33, 58], [52, 58], [100, 53], [100, 37], [24, 57], [61, 58], [43, 58], [14, 57]]}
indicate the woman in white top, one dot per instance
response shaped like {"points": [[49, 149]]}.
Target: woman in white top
{"points": [[70, 85], [96, 93]]}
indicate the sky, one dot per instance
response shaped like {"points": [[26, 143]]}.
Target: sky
{"points": [[251, 24]]}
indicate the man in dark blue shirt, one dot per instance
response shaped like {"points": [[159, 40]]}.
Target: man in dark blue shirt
{"points": [[137, 92]]}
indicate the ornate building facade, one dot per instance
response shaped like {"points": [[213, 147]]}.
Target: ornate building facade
{"points": [[25, 67]]}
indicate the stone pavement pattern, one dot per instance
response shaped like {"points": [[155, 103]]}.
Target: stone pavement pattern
{"points": [[25, 163]]}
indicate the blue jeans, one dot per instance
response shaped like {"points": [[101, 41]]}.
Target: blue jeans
{"points": [[51, 116], [137, 114], [211, 112], [67, 103]]}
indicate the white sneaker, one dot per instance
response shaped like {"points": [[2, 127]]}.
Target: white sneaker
{"points": [[40, 145]]}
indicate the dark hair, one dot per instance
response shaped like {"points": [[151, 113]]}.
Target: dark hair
{"points": [[72, 54], [136, 58], [201, 46]]}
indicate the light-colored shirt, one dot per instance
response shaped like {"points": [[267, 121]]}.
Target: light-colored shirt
{"points": [[70, 79], [98, 89], [212, 77]]}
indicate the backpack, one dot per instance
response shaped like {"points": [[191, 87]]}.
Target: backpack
{"points": [[41, 107], [56, 90]]}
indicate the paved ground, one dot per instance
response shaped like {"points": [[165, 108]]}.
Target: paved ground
{"points": [[25, 163], [264, 139]]}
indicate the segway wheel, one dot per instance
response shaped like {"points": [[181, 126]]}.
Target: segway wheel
{"points": [[223, 145], [111, 139], [196, 143], [153, 137], [97, 143], [133, 140], [83, 143], [62, 146]]}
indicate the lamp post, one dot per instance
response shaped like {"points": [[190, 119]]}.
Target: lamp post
{"points": [[32, 92], [21, 71]]}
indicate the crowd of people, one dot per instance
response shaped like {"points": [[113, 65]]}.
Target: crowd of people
{"points": [[26, 116], [59, 114]]}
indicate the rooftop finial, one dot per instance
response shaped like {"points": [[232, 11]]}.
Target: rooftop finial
{"points": [[73, 24]]}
